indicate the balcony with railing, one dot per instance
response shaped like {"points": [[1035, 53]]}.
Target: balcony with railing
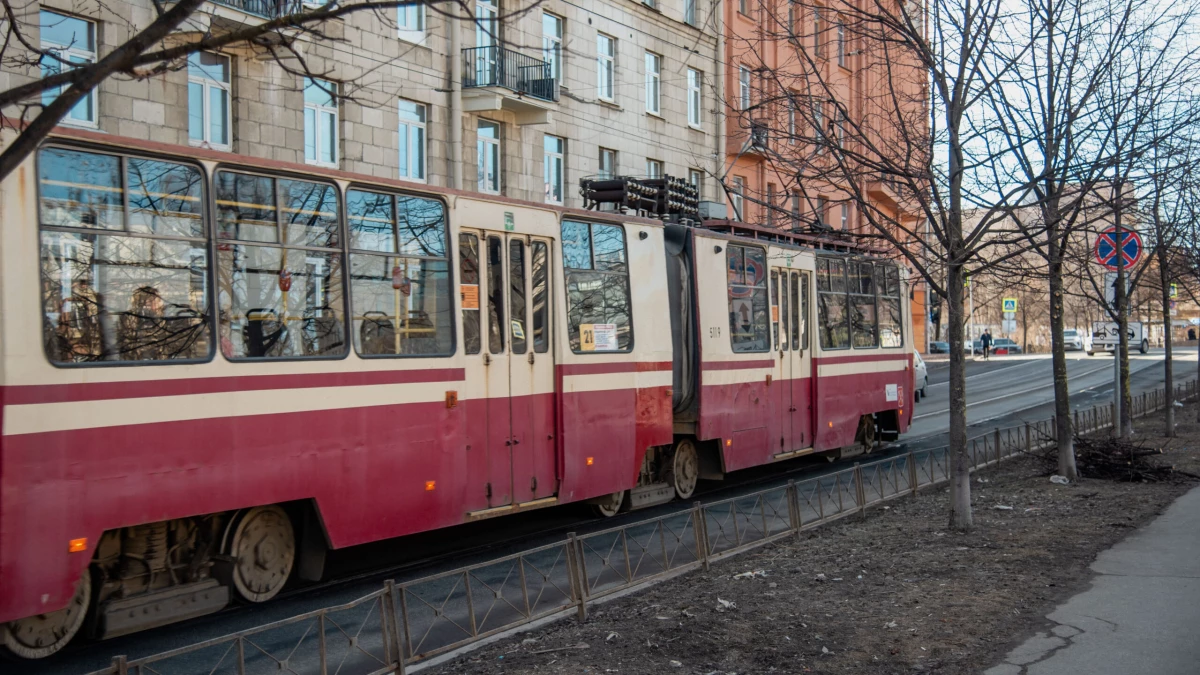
{"points": [[496, 78], [267, 9]]}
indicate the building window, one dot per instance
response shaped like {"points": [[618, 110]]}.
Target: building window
{"points": [[552, 32], [320, 122], [412, 140], [841, 44], [689, 12], [555, 167], [208, 99], [845, 217], [820, 214], [124, 259], [695, 96], [743, 88], [399, 275], [652, 4], [817, 28], [696, 178], [744, 7], [279, 267], [736, 195], [608, 163], [818, 110], [771, 204], [606, 54], [833, 319], [653, 82], [410, 22], [488, 148], [840, 128], [793, 115], [795, 207], [67, 40], [654, 168], [891, 321], [747, 277], [597, 277]]}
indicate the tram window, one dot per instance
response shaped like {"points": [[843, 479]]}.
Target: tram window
{"points": [[541, 298], [468, 279], [495, 272], [280, 279], [599, 317], [784, 308], [891, 322], [400, 276], [863, 317], [113, 290], [749, 330], [796, 318], [516, 295], [775, 307], [833, 316], [804, 312]]}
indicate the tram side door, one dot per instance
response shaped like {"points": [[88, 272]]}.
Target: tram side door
{"points": [[803, 384], [780, 392], [505, 367]]}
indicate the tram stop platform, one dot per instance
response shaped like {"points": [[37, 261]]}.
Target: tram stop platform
{"points": [[1140, 614]]}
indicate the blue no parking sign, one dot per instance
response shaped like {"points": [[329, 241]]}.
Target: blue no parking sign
{"points": [[1130, 250]]}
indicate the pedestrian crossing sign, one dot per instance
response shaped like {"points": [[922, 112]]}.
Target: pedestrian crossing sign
{"points": [[1010, 304]]}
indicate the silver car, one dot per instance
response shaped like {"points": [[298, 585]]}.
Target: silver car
{"points": [[1076, 341], [920, 377]]}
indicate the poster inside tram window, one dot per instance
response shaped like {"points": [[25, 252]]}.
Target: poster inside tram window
{"points": [[598, 337], [470, 296]]}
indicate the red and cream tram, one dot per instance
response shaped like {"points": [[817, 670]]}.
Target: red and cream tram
{"points": [[215, 369]]}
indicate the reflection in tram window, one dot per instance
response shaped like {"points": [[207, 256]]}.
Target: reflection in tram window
{"points": [[281, 298], [468, 290], [541, 298], [399, 275], [495, 298], [891, 323], [597, 278], [516, 295], [832, 314], [112, 290], [749, 330], [862, 305]]}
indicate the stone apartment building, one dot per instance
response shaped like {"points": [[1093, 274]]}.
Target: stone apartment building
{"points": [[521, 99]]}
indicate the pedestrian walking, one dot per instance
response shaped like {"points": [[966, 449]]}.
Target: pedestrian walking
{"points": [[985, 341]]}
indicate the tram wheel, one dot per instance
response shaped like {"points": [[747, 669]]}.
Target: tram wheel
{"points": [[684, 472], [37, 637], [263, 548], [608, 506]]}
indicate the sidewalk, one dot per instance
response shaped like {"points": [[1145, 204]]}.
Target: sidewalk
{"points": [[1141, 613]]}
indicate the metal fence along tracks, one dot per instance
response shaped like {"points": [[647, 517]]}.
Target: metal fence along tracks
{"points": [[403, 624]]}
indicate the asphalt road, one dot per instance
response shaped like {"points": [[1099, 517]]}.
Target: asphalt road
{"points": [[1002, 392]]}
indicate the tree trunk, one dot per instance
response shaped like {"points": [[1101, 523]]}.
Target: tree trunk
{"points": [[960, 464], [1058, 349], [1168, 379]]}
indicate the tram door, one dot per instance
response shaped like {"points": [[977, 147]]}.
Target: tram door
{"points": [[780, 390], [512, 366], [802, 383]]}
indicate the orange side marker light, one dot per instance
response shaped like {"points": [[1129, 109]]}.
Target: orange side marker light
{"points": [[77, 545], [590, 461], [728, 442], [830, 424], [430, 485]]}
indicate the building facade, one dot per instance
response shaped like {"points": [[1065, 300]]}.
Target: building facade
{"points": [[519, 100]]}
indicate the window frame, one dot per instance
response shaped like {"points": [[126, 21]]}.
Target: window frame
{"points": [[745, 95], [844, 294], [606, 67], [552, 51], [318, 111], [567, 283], [690, 15], [451, 260], [653, 64], [217, 241], [890, 268], [206, 241], [696, 179], [737, 198], [407, 126], [62, 57], [560, 158], [766, 291], [695, 79], [611, 154], [493, 145], [841, 44], [654, 168], [208, 85], [856, 266], [407, 33]]}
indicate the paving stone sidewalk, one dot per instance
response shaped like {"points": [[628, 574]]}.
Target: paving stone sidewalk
{"points": [[1141, 615]]}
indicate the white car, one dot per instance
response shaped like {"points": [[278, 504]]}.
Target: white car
{"points": [[920, 377], [1077, 341]]}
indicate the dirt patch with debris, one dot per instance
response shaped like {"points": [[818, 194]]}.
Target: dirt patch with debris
{"points": [[894, 593]]}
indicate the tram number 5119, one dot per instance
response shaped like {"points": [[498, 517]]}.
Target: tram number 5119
{"points": [[714, 331]]}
